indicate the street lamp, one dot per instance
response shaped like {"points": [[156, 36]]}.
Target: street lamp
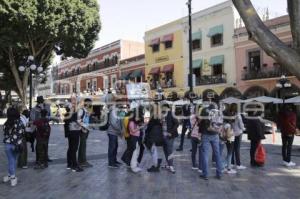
{"points": [[283, 83], [189, 4], [32, 67]]}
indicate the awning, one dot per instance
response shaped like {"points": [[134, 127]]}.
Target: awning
{"points": [[197, 63], [215, 30], [168, 68], [154, 71], [216, 60], [197, 35], [155, 41], [168, 38], [136, 73], [125, 76]]}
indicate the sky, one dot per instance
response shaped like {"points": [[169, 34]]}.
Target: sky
{"points": [[129, 19]]}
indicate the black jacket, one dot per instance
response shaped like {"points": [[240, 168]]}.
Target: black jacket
{"points": [[153, 133], [255, 129], [172, 125]]}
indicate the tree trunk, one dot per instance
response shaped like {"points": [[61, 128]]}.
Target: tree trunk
{"points": [[287, 57]]}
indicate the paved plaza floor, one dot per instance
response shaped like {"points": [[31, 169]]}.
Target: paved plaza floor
{"points": [[272, 181]]}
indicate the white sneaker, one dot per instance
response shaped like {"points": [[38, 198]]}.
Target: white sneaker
{"points": [[172, 169], [292, 164], [231, 171], [6, 179], [199, 171], [286, 163], [137, 169], [241, 167], [194, 168], [13, 181]]}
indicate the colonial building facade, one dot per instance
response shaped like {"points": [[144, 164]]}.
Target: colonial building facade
{"points": [[257, 73], [98, 71]]}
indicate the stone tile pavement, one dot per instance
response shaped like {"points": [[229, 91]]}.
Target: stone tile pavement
{"points": [[272, 181]]}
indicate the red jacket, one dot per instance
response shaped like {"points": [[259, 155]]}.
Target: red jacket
{"points": [[287, 123]]}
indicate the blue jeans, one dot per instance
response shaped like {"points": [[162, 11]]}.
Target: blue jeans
{"points": [[112, 149], [12, 157], [214, 141], [168, 150]]}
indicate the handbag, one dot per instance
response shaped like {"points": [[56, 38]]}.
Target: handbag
{"points": [[260, 155]]}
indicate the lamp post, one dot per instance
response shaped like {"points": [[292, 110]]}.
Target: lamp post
{"points": [[189, 4], [32, 67], [283, 83]]}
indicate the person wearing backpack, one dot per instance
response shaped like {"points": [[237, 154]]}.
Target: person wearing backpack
{"points": [[83, 119], [115, 130], [43, 130], [210, 127], [14, 132]]}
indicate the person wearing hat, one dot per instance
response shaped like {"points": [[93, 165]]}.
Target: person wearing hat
{"points": [[35, 114]]}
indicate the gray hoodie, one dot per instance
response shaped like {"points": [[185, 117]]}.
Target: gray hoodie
{"points": [[115, 124]]}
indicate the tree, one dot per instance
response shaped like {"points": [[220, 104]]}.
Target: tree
{"points": [[288, 57], [42, 27]]}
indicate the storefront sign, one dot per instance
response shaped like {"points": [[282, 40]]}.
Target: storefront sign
{"points": [[162, 59]]}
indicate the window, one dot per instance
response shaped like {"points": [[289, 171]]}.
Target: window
{"points": [[168, 44], [217, 69], [169, 79], [113, 80], [105, 83], [196, 44], [155, 48], [216, 40], [254, 60], [94, 88], [197, 73]]}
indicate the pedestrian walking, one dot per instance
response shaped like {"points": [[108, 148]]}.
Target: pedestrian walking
{"points": [[14, 132], [169, 127], [185, 125], [196, 142]]}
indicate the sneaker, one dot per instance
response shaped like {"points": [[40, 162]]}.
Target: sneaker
{"points": [[291, 164], [118, 163], [136, 170], [6, 179], [113, 166], [38, 167], [77, 169], [230, 171], [86, 164], [172, 169], [218, 177], [286, 163], [24, 167], [194, 168], [204, 177], [49, 160], [241, 167], [179, 149], [153, 169], [199, 171], [13, 181]]}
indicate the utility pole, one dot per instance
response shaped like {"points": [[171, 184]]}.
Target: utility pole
{"points": [[189, 4]]}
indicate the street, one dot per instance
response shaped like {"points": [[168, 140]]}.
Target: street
{"points": [[272, 181]]}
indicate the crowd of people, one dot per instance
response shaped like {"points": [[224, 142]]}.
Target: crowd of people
{"points": [[146, 129]]}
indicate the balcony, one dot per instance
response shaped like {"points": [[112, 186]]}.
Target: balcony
{"points": [[211, 79], [264, 72]]}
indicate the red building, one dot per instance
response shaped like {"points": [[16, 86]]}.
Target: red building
{"points": [[99, 70]]}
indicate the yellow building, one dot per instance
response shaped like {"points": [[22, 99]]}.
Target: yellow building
{"points": [[164, 57]]}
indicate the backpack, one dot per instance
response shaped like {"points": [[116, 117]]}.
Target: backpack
{"points": [[215, 121], [105, 126], [126, 127], [44, 130], [226, 132]]}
